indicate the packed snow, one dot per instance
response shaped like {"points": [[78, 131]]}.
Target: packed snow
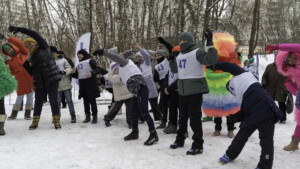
{"points": [[95, 146]]}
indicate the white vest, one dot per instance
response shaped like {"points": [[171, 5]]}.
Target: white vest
{"points": [[108, 84], [162, 68], [172, 77], [83, 68], [238, 85], [60, 64], [127, 71], [188, 66], [145, 69]]}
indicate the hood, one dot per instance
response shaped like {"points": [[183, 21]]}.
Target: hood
{"points": [[85, 54], [16, 49], [186, 47]]}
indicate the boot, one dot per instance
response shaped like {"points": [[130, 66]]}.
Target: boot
{"points": [[2, 121], [14, 112], [133, 135], [177, 144], [35, 122], [56, 121], [95, 119], [217, 133], [28, 108], [107, 123], [194, 151], [87, 118], [153, 138], [73, 118], [230, 134], [293, 145], [170, 129], [161, 126]]}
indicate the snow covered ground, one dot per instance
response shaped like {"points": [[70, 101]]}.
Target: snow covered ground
{"points": [[91, 146]]}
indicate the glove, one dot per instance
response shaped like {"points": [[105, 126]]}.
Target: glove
{"points": [[14, 29], [212, 67], [161, 40], [238, 117], [98, 52], [62, 72], [209, 37], [271, 48], [171, 56]]}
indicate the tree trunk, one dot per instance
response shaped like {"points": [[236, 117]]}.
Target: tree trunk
{"points": [[206, 18], [254, 28]]}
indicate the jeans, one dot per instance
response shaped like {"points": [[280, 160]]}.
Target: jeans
{"points": [[68, 96], [116, 106], [29, 99], [218, 122]]}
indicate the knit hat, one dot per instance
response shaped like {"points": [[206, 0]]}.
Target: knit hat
{"points": [[138, 54], [53, 49], [176, 49], [6, 47], [186, 36], [28, 40], [114, 66], [113, 50], [83, 52], [161, 52]]}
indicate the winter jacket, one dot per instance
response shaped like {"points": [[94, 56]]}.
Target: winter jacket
{"points": [[25, 82], [120, 90], [88, 88], [257, 105], [43, 67], [274, 83], [65, 82], [194, 86], [7, 83]]}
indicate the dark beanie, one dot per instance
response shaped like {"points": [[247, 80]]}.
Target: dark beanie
{"points": [[53, 49], [186, 36], [83, 52]]}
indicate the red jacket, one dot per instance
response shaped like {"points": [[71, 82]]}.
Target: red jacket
{"points": [[25, 83]]}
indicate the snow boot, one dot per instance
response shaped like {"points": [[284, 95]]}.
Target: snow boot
{"points": [[161, 126], [153, 138], [230, 134], [107, 123], [293, 145], [170, 129], [35, 122], [206, 119], [14, 112], [177, 144], [194, 151], [73, 118], [56, 121], [224, 160], [217, 133], [2, 121], [87, 118], [95, 119], [133, 135], [28, 108]]}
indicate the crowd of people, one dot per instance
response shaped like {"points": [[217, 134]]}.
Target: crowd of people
{"points": [[175, 82]]}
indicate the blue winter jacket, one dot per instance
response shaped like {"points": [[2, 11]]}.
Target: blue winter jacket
{"points": [[257, 105]]}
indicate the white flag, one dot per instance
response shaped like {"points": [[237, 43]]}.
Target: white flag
{"points": [[82, 43]]}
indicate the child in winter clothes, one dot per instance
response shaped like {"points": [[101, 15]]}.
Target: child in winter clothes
{"points": [[18, 53], [65, 85], [131, 75], [121, 96], [7, 85], [160, 73], [258, 112], [189, 65], [41, 66], [86, 72], [144, 64], [170, 88], [288, 64]]}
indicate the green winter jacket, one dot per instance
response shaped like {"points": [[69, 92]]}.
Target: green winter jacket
{"points": [[194, 86]]}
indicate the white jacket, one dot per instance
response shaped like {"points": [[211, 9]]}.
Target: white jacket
{"points": [[65, 82], [119, 88]]}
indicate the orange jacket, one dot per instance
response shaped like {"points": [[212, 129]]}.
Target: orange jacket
{"points": [[25, 83]]}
